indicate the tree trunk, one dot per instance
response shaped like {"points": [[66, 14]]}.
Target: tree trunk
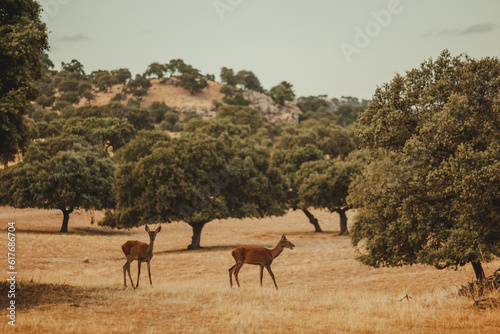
{"points": [[66, 212], [313, 220], [195, 240], [478, 270], [343, 222]]}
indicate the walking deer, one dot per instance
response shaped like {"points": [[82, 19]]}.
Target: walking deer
{"points": [[140, 251], [260, 256]]}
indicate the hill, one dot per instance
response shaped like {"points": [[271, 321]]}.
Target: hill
{"points": [[167, 91]]}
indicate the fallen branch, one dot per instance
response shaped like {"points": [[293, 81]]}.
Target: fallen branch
{"points": [[482, 287], [487, 303]]}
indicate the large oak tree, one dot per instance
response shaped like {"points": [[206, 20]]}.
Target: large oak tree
{"points": [[60, 173], [431, 194], [196, 179]]}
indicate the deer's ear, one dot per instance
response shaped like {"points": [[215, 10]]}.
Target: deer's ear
{"points": [[158, 229], [283, 236], [147, 228]]}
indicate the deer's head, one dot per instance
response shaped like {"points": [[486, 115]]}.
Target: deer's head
{"points": [[285, 243], [152, 234]]}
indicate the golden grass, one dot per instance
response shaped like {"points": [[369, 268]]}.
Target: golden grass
{"points": [[322, 288]]}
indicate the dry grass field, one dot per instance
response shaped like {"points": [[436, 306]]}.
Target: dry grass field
{"points": [[323, 289]]}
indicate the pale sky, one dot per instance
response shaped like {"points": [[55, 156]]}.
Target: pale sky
{"points": [[328, 47]]}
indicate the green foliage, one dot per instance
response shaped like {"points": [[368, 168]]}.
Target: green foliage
{"points": [[228, 90], [333, 140], [44, 86], [325, 183], [289, 162], [249, 81], [70, 97], [104, 131], [238, 100], [155, 69], [60, 173], [51, 128], [73, 67], [431, 193], [141, 145], [347, 114], [23, 39], [313, 107], [282, 92], [46, 63], [227, 77], [87, 95], [139, 118], [192, 80], [119, 97], [175, 67], [242, 115], [68, 85], [218, 128], [312, 104], [245, 79], [121, 76], [158, 110], [102, 80], [138, 86], [45, 101]]}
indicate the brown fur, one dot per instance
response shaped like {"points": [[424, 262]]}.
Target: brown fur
{"points": [[260, 256]]}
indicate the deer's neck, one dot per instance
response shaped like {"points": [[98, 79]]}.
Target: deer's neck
{"points": [[276, 251], [150, 248]]}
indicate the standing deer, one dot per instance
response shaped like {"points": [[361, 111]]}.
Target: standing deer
{"points": [[260, 256], [140, 251]]}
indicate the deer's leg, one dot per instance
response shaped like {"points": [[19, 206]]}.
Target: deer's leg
{"points": [[149, 274], [261, 274], [231, 275], [138, 272], [237, 271], [125, 267], [128, 270], [272, 276]]}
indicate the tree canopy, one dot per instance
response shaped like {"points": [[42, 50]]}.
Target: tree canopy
{"points": [[23, 39], [64, 173], [282, 92], [432, 191]]}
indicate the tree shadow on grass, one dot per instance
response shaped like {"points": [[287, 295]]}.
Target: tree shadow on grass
{"points": [[30, 294], [77, 231]]}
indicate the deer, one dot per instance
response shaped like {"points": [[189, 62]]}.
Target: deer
{"points": [[260, 256], [140, 251]]}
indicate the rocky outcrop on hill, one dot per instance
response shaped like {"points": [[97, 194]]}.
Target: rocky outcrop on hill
{"points": [[272, 111], [203, 112]]}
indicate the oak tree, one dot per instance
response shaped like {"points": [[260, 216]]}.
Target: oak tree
{"points": [[431, 193]]}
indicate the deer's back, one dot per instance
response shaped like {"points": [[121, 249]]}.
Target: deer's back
{"points": [[135, 249], [252, 255]]}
